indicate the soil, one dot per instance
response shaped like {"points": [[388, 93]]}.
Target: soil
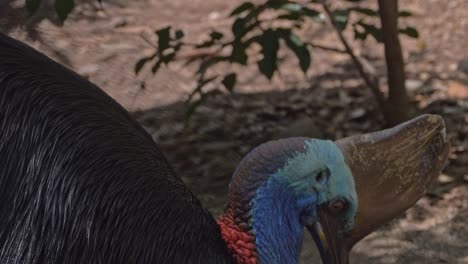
{"points": [[103, 43]]}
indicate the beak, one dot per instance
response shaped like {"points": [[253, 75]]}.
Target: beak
{"points": [[328, 238], [392, 170]]}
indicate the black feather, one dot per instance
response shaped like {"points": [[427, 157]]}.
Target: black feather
{"points": [[81, 181]]}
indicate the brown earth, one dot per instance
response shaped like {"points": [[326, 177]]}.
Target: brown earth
{"points": [[330, 101]]}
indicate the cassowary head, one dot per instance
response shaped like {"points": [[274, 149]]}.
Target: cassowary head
{"points": [[339, 191]]}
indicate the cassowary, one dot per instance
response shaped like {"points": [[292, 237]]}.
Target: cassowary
{"points": [[82, 182]]}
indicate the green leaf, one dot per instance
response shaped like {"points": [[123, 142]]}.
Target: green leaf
{"points": [[270, 45], [275, 4], [238, 26], [179, 34], [410, 32], [216, 35], [168, 58], [362, 35], [404, 13], [366, 11], [291, 16], [63, 8], [311, 12], [238, 53], [205, 44], [341, 17], [242, 8], [300, 49], [229, 81], [373, 30], [164, 37], [156, 66], [293, 7], [32, 6], [140, 63], [242, 26]]}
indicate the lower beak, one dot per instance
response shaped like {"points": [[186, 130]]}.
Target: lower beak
{"points": [[329, 240]]}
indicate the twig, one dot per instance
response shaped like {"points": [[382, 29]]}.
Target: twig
{"points": [[318, 46], [202, 53], [149, 42], [197, 54], [371, 82]]}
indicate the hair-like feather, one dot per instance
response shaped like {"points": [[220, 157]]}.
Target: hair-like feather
{"points": [[82, 182]]}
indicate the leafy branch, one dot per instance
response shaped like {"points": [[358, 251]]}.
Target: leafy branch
{"points": [[252, 26]]}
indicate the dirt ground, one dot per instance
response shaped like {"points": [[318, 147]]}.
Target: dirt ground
{"points": [[103, 43]]}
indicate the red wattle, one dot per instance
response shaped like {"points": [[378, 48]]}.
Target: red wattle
{"points": [[241, 244]]}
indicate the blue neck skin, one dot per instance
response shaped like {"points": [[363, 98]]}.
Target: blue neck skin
{"points": [[276, 222]]}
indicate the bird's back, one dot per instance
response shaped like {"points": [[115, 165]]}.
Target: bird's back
{"points": [[81, 181]]}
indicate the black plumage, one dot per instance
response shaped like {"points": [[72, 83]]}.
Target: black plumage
{"points": [[82, 182]]}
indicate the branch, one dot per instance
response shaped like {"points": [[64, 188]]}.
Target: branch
{"points": [[370, 81], [197, 54], [397, 95], [209, 52], [318, 46], [149, 42]]}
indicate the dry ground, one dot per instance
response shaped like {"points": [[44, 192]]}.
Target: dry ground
{"points": [[329, 102]]}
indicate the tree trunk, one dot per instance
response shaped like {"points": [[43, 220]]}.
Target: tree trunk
{"points": [[396, 108]]}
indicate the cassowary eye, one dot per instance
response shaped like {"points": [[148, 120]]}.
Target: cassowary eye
{"points": [[322, 176], [338, 206]]}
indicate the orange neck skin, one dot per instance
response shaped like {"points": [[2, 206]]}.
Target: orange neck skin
{"points": [[240, 243]]}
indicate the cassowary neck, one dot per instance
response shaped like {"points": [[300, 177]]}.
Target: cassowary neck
{"points": [[261, 220], [270, 232]]}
